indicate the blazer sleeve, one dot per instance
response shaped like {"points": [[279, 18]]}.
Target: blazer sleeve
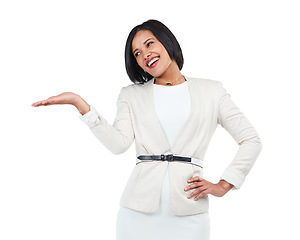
{"points": [[234, 121], [117, 137]]}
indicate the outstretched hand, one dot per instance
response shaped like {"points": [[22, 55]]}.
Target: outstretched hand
{"points": [[63, 98], [204, 187]]}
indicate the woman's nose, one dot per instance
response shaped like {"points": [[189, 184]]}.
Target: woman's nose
{"points": [[147, 55]]}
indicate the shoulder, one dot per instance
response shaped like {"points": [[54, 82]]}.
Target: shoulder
{"points": [[137, 87], [133, 86], [204, 82], [135, 90], [212, 89]]}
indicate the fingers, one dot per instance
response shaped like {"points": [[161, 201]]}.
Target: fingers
{"points": [[43, 102], [196, 182], [202, 194], [193, 185], [40, 103], [194, 193], [202, 188], [195, 179], [199, 193]]}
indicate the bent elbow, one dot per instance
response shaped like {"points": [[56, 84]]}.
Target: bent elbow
{"points": [[259, 145], [118, 151], [254, 143], [120, 148]]}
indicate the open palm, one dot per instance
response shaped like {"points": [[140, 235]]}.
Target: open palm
{"points": [[63, 98]]}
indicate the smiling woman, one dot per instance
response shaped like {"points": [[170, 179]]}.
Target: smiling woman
{"points": [[172, 119], [152, 38], [150, 54]]}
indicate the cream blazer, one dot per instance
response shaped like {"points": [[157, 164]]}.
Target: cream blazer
{"points": [[136, 119]]}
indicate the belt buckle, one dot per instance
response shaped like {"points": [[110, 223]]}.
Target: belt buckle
{"points": [[168, 157]]}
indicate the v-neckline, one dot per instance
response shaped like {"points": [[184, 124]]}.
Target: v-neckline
{"points": [[158, 123]]}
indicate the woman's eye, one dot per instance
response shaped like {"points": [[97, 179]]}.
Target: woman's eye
{"points": [[149, 43], [136, 54]]}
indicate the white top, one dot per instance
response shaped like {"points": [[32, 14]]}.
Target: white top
{"points": [[173, 107]]}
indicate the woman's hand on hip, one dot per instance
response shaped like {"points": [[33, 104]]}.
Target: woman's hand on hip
{"points": [[204, 187]]}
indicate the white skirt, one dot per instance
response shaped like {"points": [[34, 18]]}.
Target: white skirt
{"points": [[163, 224]]}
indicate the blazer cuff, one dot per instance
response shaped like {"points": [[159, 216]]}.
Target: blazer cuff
{"points": [[91, 117], [233, 178]]}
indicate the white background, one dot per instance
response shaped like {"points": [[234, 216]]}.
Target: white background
{"points": [[57, 181]]}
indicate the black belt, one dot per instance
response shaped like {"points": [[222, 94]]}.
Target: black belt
{"points": [[162, 157]]}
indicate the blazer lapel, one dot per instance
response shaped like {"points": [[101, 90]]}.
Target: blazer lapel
{"points": [[188, 127]]}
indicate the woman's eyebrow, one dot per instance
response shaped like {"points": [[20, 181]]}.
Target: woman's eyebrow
{"points": [[143, 43], [148, 40]]}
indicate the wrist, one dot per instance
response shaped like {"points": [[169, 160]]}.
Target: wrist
{"points": [[76, 100], [226, 186], [82, 106]]}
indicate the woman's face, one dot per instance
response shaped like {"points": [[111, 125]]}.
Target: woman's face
{"points": [[150, 54]]}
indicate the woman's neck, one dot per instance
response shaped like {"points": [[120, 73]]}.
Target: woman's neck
{"points": [[171, 75]]}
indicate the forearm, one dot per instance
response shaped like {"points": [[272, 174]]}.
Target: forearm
{"points": [[117, 137], [82, 106], [243, 162]]}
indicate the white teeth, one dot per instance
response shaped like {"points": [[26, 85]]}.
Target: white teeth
{"points": [[152, 61]]}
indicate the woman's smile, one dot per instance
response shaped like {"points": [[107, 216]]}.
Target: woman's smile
{"points": [[151, 63]]}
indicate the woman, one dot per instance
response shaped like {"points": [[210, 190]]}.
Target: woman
{"points": [[172, 118]]}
